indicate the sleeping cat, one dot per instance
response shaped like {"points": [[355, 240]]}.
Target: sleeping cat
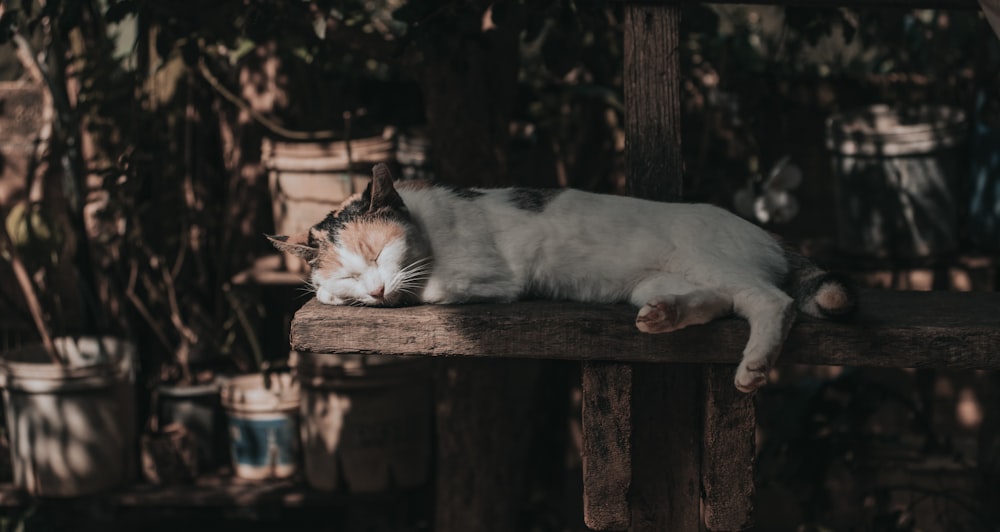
{"points": [[681, 264]]}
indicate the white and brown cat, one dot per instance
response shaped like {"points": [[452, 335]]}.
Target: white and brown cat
{"points": [[681, 264]]}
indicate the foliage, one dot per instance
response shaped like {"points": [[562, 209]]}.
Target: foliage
{"points": [[863, 448]]}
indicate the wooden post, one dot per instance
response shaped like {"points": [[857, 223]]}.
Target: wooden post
{"points": [[666, 399], [688, 426], [607, 444], [728, 454]]}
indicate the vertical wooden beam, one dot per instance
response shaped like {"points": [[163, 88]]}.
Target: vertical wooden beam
{"points": [[607, 449], [656, 485], [666, 400], [728, 453], [689, 428], [653, 159], [666, 447]]}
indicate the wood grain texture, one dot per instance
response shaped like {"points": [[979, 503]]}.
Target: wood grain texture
{"points": [[728, 451], [894, 329], [653, 158], [666, 403], [607, 445], [666, 447]]}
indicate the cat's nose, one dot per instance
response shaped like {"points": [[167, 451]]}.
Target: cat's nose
{"points": [[379, 292]]}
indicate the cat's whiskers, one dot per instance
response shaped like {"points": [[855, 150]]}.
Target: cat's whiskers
{"points": [[308, 289], [411, 277]]}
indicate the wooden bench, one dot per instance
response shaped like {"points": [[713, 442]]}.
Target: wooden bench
{"points": [[668, 441]]}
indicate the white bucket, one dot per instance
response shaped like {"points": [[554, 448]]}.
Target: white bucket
{"points": [[71, 428], [307, 180], [263, 425], [897, 178]]}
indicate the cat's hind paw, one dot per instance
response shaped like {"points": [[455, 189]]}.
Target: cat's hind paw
{"points": [[750, 377], [659, 316]]}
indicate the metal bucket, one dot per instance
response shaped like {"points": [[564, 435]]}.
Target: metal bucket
{"points": [[897, 175]]}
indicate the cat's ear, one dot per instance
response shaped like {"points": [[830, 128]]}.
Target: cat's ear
{"points": [[297, 245], [383, 194]]}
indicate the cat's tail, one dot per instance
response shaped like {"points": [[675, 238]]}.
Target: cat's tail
{"points": [[819, 293]]}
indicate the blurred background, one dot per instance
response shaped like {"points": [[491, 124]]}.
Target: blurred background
{"points": [[146, 148]]}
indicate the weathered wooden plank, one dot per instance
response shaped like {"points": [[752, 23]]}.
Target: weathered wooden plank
{"points": [[653, 158], [607, 446], [666, 451], [728, 451], [894, 329], [857, 4]]}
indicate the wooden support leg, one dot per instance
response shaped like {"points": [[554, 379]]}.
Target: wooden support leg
{"points": [[728, 453], [664, 443], [607, 444], [666, 447]]}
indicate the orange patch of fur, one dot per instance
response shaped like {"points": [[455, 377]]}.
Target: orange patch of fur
{"points": [[326, 258], [368, 237]]}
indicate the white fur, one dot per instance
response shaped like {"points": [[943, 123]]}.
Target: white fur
{"points": [[680, 263]]}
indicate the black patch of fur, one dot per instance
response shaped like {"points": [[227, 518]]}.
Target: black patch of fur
{"points": [[466, 193], [533, 199], [336, 220]]}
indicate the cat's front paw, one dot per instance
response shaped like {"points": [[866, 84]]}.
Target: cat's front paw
{"points": [[659, 316], [750, 377]]}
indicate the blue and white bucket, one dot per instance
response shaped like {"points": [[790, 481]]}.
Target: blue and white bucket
{"points": [[263, 425]]}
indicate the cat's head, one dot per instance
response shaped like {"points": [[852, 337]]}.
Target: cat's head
{"points": [[368, 251]]}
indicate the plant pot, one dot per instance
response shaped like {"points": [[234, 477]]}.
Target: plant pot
{"points": [[71, 427], [307, 180], [897, 179], [263, 425], [366, 421], [198, 408]]}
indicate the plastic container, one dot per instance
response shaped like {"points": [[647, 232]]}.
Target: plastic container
{"points": [[263, 425], [366, 421], [897, 175], [72, 427]]}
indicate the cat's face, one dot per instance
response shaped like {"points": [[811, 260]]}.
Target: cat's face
{"points": [[367, 252]]}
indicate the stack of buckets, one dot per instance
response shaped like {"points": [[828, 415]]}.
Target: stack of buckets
{"points": [[361, 423]]}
